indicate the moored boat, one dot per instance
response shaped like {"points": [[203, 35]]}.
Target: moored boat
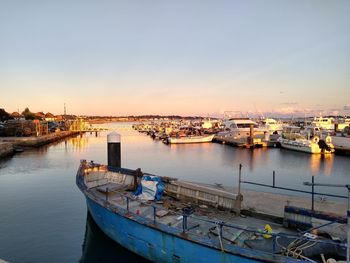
{"points": [[341, 141], [292, 139], [189, 139], [172, 220], [273, 126], [323, 123]]}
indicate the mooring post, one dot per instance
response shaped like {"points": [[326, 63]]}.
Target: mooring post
{"points": [[113, 151], [273, 179]]}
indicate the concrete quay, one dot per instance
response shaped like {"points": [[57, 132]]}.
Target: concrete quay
{"points": [[273, 203], [9, 144]]}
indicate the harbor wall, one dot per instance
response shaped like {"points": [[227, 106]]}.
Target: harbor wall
{"points": [[9, 144], [42, 140]]}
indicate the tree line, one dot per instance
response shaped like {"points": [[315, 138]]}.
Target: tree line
{"points": [[27, 114]]}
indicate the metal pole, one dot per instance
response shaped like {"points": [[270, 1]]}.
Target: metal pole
{"points": [[239, 179], [273, 179], [312, 195], [348, 238], [154, 214], [184, 222]]}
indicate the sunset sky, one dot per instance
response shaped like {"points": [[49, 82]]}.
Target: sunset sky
{"points": [[175, 57]]}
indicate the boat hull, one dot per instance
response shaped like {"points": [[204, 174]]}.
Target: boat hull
{"points": [[300, 148], [152, 243], [193, 139], [341, 143]]}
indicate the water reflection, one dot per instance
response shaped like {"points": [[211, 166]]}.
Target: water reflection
{"points": [[78, 143], [249, 158], [312, 164], [328, 160], [321, 164], [98, 247]]}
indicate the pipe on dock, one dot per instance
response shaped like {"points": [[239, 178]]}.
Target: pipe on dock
{"points": [[114, 149]]}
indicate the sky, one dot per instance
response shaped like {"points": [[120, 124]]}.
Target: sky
{"points": [[182, 57]]}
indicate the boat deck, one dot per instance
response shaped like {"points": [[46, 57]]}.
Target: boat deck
{"points": [[169, 212]]}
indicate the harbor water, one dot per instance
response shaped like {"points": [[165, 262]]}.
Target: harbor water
{"points": [[43, 215]]}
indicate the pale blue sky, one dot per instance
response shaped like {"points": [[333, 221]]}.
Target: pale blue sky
{"points": [[174, 57]]}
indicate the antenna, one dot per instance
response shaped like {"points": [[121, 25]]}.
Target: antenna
{"points": [[65, 109]]}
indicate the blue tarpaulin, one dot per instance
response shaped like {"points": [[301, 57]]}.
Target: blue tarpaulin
{"points": [[151, 186]]}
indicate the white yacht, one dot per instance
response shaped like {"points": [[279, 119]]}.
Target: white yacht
{"points": [[331, 124], [240, 128], [323, 123], [272, 125], [342, 123]]}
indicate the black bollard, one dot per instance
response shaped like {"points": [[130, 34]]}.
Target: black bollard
{"points": [[114, 149]]}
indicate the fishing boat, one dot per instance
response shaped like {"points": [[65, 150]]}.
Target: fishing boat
{"points": [[189, 139], [293, 139], [170, 220]]}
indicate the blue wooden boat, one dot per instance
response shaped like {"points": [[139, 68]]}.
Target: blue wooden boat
{"points": [[191, 223]]}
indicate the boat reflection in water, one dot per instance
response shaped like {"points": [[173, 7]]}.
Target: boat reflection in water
{"points": [[98, 247], [321, 164]]}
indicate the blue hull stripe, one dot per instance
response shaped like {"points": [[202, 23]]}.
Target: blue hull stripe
{"points": [[152, 244]]}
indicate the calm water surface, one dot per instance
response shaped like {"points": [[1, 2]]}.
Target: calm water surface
{"points": [[43, 216]]}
